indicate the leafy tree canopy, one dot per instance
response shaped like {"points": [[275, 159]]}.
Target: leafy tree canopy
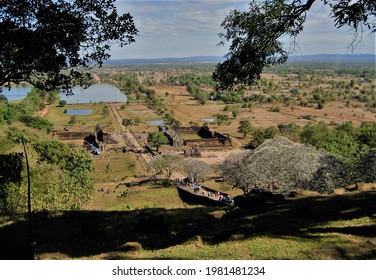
{"points": [[245, 127], [49, 43], [255, 35], [128, 122], [157, 139], [60, 174]]}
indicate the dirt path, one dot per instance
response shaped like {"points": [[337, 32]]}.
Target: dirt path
{"points": [[128, 136], [44, 111], [96, 78]]}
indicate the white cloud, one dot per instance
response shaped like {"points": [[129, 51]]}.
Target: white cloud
{"points": [[321, 36], [184, 28]]}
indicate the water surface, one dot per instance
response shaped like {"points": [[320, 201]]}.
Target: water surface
{"points": [[156, 122], [78, 112], [95, 93]]}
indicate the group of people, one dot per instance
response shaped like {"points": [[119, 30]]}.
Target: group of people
{"points": [[200, 189]]}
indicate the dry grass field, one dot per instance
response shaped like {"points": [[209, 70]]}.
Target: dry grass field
{"points": [[186, 109]]}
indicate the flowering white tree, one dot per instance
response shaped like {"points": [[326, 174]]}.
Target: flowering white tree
{"points": [[279, 165]]}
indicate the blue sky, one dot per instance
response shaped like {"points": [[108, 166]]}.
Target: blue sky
{"points": [[178, 28]]}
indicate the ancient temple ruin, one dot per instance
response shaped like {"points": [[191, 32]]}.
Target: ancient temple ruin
{"points": [[206, 138]]}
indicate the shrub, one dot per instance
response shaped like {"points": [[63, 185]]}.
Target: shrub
{"points": [[367, 166], [37, 122]]}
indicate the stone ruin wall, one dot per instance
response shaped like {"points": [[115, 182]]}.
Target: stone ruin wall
{"points": [[208, 138], [173, 136], [187, 129], [214, 142], [69, 135]]}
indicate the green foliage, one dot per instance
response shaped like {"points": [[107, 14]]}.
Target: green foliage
{"points": [[338, 142], [348, 144], [9, 113], [171, 120], [75, 165], [72, 120], [275, 109], [366, 166], [3, 98], [105, 110], [233, 96], [367, 134], [37, 122], [52, 96], [11, 166], [221, 119], [189, 79], [26, 108], [201, 96], [315, 135], [60, 175], [260, 135], [157, 139], [62, 103], [291, 131], [255, 35], [50, 44], [128, 122], [245, 127]]}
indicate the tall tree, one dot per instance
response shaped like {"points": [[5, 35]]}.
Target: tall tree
{"points": [[255, 35], [245, 127], [49, 43], [196, 169], [157, 139], [167, 163]]}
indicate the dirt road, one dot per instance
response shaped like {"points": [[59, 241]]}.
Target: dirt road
{"points": [[128, 136]]}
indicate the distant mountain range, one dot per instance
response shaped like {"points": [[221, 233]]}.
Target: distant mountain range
{"points": [[205, 59], [334, 57], [168, 60]]}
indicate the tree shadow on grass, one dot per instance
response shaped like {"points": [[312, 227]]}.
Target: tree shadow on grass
{"points": [[81, 234]]}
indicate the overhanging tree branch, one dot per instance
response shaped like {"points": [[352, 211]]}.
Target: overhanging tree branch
{"points": [[59, 39], [254, 35]]}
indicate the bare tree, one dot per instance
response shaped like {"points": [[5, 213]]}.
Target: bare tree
{"points": [[167, 163], [234, 169], [196, 169]]}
